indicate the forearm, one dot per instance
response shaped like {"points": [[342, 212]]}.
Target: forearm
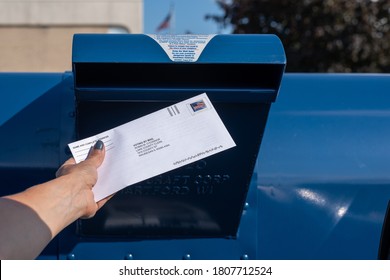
{"points": [[30, 219], [54, 202], [23, 234]]}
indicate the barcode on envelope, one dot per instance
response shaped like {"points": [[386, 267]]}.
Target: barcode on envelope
{"points": [[173, 110]]}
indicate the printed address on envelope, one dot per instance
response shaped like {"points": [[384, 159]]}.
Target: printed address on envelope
{"points": [[156, 143]]}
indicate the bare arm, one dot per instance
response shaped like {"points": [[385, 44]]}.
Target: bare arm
{"points": [[52, 205]]}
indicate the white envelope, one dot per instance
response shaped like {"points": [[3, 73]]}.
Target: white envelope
{"points": [[156, 143]]}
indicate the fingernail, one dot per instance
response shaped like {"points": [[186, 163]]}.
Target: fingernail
{"points": [[98, 145]]}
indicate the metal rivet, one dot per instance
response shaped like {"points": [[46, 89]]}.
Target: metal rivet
{"points": [[244, 257], [129, 257], [187, 257], [70, 257]]}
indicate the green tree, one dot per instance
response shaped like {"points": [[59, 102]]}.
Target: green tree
{"points": [[318, 35]]}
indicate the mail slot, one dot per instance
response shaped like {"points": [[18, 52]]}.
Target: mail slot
{"points": [[119, 78]]}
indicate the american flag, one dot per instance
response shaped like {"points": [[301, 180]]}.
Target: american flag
{"points": [[198, 105], [165, 23]]}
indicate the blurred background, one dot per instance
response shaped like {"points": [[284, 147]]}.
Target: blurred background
{"points": [[318, 35]]}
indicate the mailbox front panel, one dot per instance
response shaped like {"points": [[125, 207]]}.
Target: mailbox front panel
{"points": [[204, 199]]}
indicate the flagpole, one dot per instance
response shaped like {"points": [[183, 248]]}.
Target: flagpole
{"points": [[173, 19], [169, 21]]}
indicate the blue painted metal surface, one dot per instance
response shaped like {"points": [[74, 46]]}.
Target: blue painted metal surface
{"points": [[323, 173], [30, 113], [95, 48]]}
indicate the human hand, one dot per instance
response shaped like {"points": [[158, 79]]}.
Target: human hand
{"points": [[82, 177]]}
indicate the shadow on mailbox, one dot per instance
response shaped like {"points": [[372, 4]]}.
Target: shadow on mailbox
{"points": [[119, 78], [384, 246]]}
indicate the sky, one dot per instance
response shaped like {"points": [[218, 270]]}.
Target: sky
{"points": [[188, 16]]}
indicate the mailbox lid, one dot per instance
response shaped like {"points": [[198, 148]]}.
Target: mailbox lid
{"points": [[124, 65], [141, 48]]}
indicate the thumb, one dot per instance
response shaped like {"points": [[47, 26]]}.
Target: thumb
{"points": [[96, 154]]}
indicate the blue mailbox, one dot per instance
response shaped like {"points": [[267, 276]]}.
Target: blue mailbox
{"points": [[119, 78]]}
